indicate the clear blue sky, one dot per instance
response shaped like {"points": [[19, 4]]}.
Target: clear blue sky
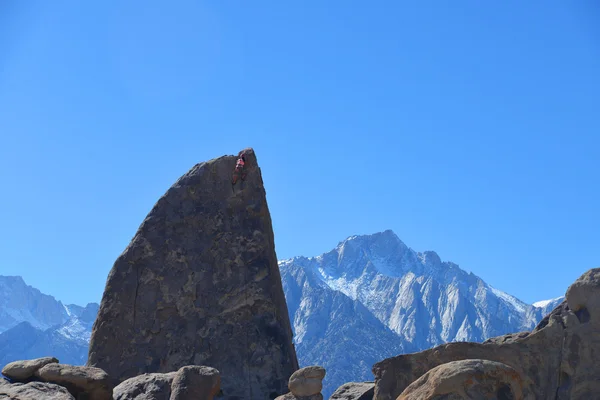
{"points": [[469, 128]]}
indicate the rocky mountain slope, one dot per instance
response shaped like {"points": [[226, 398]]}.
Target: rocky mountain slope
{"points": [[554, 361], [408, 301], [35, 324], [20, 302]]}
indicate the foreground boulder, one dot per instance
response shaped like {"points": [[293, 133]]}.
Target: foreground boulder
{"points": [[469, 379], [199, 285], [195, 383], [154, 386], [33, 390], [354, 391], [307, 381], [554, 361], [25, 370], [305, 384], [189, 383], [88, 382]]}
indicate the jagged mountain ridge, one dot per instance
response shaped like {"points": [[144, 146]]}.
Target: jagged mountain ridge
{"points": [[415, 296], [33, 324], [327, 323]]}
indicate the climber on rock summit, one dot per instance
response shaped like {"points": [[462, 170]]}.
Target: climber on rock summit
{"points": [[239, 168]]}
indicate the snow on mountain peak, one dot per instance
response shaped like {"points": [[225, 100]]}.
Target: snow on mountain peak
{"points": [[544, 303], [512, 300]]}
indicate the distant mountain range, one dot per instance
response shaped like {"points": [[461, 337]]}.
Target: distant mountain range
{"points": [[373, 297], [370, 298], [33, 324]]}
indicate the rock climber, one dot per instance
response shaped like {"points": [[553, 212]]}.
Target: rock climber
{"points": [[240, 170]]}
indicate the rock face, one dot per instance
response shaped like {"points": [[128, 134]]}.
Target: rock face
{"points": [[146, 386], [354, 391], [554, 361], [199, 285], [468, 379], [189, 383], [26, 369], [33, 390], [307, 381], [195, 383], [92, 383]]}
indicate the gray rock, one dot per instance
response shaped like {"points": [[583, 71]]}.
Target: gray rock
{"points": [[33, 391], [557, 357], [154, 386], [199, 285], [26, 369], [354, 391], [583, 296], [93, 383], [290, 396], [195, 383], [469, 380], [307, 381]]}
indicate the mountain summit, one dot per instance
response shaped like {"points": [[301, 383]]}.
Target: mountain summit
{"points": [[418, 299]]}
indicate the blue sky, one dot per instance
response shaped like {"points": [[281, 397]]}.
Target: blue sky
{"points": [[469, 128]]}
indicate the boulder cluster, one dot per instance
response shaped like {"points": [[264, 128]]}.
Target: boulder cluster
{"points": [[194, 309]]}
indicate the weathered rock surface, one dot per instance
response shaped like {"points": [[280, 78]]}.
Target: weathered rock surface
{"points": [[24, 370], [195, 383], [155, 386], [199, 285], [290, 396], [91, 383], [188, 383], [305, 384], [354, 391], [307, 381], [557, 357], [33, 390], [469, 379]]}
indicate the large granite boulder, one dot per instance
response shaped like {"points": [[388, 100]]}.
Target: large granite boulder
{"points": [[199, 285], [21, 371], [469, 380], [354, 391], [83, 382], [195, 383], [191, 382], [307, 381], [557, 357], [33, 391], [155, 386]]}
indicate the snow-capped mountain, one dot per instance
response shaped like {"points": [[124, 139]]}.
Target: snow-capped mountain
{"points": [[19, 302], [328, 323], [33, 324], [415, 296]]}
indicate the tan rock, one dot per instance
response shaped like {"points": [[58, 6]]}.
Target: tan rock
{"points": [[91, 382], [24, 370], [469, 380], [307, 381], [195, 383]]}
